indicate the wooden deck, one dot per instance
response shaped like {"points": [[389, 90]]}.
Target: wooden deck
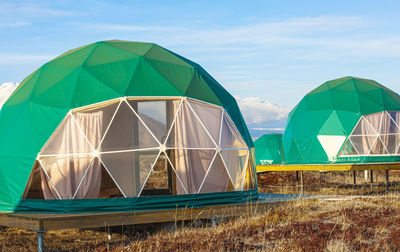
{"points": [[46, 222]]}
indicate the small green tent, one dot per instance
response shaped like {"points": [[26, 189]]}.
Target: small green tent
{"points": [[268, 149], [347, 120], [122, 126]]}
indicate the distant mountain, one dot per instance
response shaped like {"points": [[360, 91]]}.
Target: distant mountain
{"points": [[257, 132]]}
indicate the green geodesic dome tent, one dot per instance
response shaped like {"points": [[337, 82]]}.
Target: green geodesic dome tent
{"points": [[122, 126], [269, 149], [347, 120]]}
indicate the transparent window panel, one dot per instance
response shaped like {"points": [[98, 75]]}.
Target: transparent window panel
{"points": [[235, 161], [375, 121], [127, 132], [187, 132], [387, 125], [363, 144], [191, 166], [48, 190], [249, 182], [95, 120], [67, 139], [394, 122], [217, 178], [108, 188], [395, 116], [398, 148], [230, 137], [348, 149], [129, 170], [210, 117], [157, 115], [364, 128], [230, 187], [65, 174], [89, 187], [391, 142], [378, 148], [160, 180]]}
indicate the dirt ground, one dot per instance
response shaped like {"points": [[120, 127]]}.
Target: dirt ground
{"points": [[367, 223]]}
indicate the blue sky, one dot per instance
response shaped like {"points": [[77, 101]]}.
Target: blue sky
{"points": [[267, 53]]}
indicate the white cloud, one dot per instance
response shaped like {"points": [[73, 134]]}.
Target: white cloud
{"points": [[110, 27], [18, 58], [6, 89], [29, 10], [287, 31], [257, 111]]}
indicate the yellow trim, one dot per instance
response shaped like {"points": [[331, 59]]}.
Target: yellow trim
{"points": [[329, 167]]}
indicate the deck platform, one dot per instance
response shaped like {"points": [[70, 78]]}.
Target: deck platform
{"points": [[46, 222]]}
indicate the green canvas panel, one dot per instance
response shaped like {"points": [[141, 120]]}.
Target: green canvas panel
{"points": [[368, 105], [105, 54], [74, 56], [146, 81], [293, 153], [163, 55], [169, 72], [375, 96], [347, 99], [86, 85], [22, 95], [348, 120], [51, 75], [81, 77], [322, 101], [391, 101], [197, 86], [332, 125], [317, 119], [58, 95], [140, 48], [269, 147], [315, 151], [130, 204]]}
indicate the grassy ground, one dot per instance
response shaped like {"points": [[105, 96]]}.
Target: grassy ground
{"points": [[368, 223], [328, 183]]}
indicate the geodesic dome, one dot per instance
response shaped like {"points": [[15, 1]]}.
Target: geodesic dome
{"points": [[123, 121], [347, 120], [268, 149]]}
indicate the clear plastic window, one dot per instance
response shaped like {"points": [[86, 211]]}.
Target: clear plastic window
{"points": [[131, 147], [375, 134]]}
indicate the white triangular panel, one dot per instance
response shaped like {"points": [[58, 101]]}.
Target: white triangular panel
{"points": [[331, 144]]}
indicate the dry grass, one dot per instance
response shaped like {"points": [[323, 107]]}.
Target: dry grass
{"points": [[328, 183], [368, 223], [358, 224]]}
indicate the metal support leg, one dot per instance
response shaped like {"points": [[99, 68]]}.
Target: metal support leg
{"points": [[387, 180], [372, 177], [40, 240], [354, 178], [301, 183]]}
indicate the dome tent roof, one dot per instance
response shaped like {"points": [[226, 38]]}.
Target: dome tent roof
{"points": [[268, 149], [91, 74], [320, 123]]}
